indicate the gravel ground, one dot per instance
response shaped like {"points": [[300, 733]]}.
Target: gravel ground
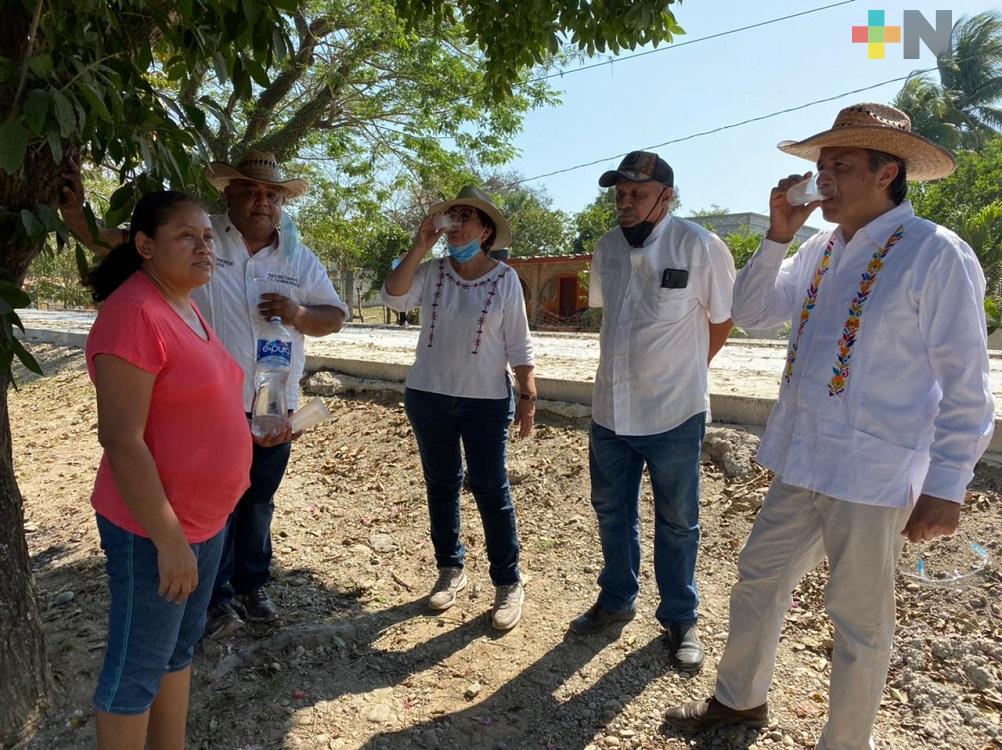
{"points": [[357, 662]]}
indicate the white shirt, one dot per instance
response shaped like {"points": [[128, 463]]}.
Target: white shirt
{"points": [[470, 330], [229, 301], [915, 409], [654, 342]]}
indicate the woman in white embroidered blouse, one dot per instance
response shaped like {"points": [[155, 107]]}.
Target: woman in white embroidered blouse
{"points": [[473, 325]]}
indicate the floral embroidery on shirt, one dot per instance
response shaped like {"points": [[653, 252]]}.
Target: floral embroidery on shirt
{"points": [[810, 299], [851, 327], [435, 300]]}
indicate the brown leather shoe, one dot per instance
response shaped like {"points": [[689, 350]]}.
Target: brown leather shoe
{"points": [[702, 716]]}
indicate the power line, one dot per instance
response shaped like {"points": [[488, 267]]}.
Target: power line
{"points": [[567, 71], [727, 127]]}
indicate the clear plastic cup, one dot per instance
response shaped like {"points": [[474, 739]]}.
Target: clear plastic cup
{"points": [[946, 563], [445, 221], [817, 187], [310, 414]]}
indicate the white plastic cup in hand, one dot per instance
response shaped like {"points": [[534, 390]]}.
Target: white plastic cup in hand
{"points": [[444, 221], [310, 414], [817, 187]]}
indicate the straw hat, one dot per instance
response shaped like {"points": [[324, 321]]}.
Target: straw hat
{"points": [[256, 166], [471, 196], [880, 128]]}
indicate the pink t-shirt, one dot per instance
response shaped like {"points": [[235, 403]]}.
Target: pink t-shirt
{"points": [[196, 428]]}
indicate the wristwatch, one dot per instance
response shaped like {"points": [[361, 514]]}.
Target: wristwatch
{"points": [[527, 397]]}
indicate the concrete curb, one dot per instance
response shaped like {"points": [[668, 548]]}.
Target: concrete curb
{"points": [[726, 407]]}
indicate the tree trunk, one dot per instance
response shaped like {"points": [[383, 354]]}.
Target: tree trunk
{"points": [[23, 664]]}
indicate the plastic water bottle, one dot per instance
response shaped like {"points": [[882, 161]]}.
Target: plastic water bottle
{"points": [[274, 358]]}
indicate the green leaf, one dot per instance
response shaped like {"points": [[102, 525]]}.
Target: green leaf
{"points": [[14, 296], [55, 146], [32, 226], [83, 267], [49, 218], [36, 107], [41, 65], [13, 144], [64, 114], [120, 205], [24, 355], [94, 96]]}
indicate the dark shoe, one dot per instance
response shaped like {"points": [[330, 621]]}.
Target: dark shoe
{"points": [[222, 620], [702, 716], [597, 619], [258, 606], [686, 650]]}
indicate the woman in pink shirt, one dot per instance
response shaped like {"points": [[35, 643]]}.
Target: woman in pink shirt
{"points": [[177, 452]]}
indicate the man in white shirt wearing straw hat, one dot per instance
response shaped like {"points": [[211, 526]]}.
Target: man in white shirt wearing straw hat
{"points": [[884, 409], [262, 271]]}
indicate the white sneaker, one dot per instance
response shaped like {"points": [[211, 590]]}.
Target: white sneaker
{"points": [[450, 582], [508, 606]]}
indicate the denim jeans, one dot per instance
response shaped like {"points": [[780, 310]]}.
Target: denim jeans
{"points": [[246, 558], [617, 463], [148, 636], [440, 423]]}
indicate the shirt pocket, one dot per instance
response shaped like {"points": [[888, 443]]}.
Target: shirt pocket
{"points": [[674, 304]]}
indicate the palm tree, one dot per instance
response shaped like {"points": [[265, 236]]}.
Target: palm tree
{"points": [[961, 111]]}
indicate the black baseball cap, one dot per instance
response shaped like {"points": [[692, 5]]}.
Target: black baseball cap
{"points": [[639, 166]]}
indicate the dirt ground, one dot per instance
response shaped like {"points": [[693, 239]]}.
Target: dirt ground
{"points": [[357, 662]]}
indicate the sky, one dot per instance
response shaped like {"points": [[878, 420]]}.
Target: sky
{"points": [[670, 94]]}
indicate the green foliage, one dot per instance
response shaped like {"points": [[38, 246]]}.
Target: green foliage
{"points": [[970, 203], [379, 250], [960, 112], [518, 35], [993, 314], [594, 220], [742, 245], [536, 227]]}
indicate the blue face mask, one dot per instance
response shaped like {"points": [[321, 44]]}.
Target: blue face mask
{"points": [[463, 253]]}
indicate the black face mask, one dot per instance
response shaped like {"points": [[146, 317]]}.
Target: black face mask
{"points": [[638, 233]]}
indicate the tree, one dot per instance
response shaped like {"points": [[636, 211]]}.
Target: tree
{"points": [[149, 87], [594, 220], [742, 245], [961, 111], [968, 203], [518, 35], [78, 77], [536, 227]]}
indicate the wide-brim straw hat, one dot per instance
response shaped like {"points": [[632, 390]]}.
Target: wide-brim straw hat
{"points": [[880, 128], [256, 166], [471, 196]]}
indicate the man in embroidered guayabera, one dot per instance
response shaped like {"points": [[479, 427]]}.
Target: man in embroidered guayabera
{"points": [[884, 408], [262, 271], [664, 285], [459, 396]]}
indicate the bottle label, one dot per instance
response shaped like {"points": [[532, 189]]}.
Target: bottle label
{"points": [[276, 349]]}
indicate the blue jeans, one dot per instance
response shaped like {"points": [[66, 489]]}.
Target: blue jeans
{"points": [[246, 558], [617, 463], [440, 423], [148, 636]]}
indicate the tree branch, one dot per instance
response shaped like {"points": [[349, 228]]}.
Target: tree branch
{"points": [[310, 36], [27, 55]]}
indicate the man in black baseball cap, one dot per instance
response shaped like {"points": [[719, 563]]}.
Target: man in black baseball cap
{"points": [[664, 286], [645, 187]]}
